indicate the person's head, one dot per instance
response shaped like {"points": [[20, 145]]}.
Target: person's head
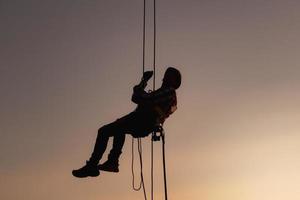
{"points": [[172, 78]]}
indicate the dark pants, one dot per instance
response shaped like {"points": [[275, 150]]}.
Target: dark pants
{"points": [[137, 124]]}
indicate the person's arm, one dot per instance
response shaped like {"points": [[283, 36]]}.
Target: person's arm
{"points": [[139, 95]]}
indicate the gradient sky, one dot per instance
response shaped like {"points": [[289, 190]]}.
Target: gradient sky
{"points": [[65, 66]]}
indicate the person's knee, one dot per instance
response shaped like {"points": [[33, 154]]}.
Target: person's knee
{"points": [[103, 131]]}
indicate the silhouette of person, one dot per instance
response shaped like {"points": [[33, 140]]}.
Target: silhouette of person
{"points": [[152, 110]]}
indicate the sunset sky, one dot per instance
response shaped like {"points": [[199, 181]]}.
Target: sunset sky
{"points": [[67, 67]]}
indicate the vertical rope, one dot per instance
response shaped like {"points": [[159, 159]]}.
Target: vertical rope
{"points": [[152, 169], [140, 150], [154, 77], [142, 183], [144, 34], [164, 164], [154, 43]]}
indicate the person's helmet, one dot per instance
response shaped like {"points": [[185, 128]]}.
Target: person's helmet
{"points": [[172, 78]]}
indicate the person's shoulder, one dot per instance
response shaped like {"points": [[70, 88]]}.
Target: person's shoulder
{"points": [[169, 91], [165, 91]]}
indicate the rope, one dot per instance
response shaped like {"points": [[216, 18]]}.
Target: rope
{"points": [[154, 70], [154, 42], [152, 181], [144, 34], [132, 170], [164, 164], [142, 184], [141, 164], [140, 150]]}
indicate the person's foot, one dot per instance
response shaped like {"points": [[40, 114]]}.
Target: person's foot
{"points": [[87, 170], [109, 166]]}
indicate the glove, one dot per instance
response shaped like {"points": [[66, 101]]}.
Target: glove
{"points": [[147, 75]]}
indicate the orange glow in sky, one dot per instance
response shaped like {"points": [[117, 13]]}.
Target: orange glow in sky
{"points": [[235, 135]]}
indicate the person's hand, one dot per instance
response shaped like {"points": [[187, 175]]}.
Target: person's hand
{"points": [[147, 75]]}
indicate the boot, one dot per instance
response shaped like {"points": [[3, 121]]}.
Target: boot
{"points": [[89, 169], [110, 166]]}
